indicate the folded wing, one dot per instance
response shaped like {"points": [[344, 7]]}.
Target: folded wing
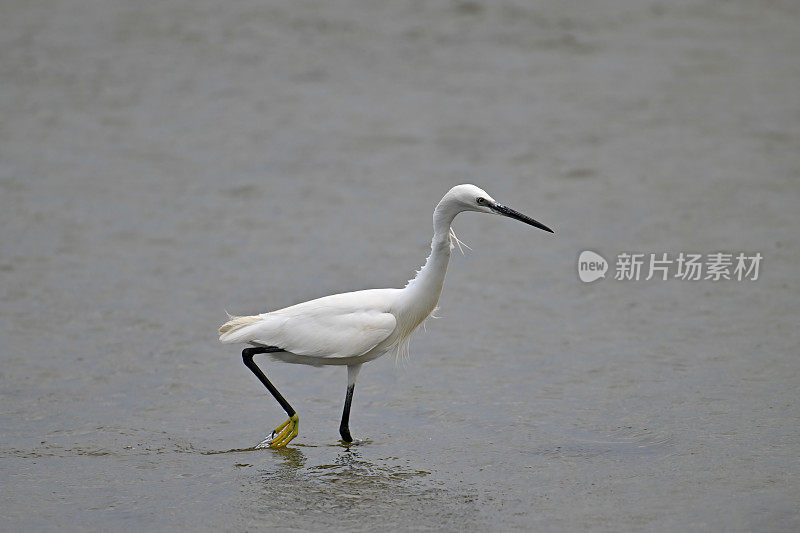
{"points": [[342, 325]]}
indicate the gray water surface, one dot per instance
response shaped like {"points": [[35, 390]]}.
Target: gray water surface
{"points": [[163, 162]]}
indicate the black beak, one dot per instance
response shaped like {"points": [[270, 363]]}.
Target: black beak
{"points": [[507, 211]]}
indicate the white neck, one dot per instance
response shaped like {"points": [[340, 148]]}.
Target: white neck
{"points": [[425, 288]]}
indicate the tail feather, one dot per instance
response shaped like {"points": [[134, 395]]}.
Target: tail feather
{"points": [[236, 323]]}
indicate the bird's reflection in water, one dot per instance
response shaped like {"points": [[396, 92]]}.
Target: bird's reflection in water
{"points": [[330, 487], [293, 460], [350, 468], [348, 481]]}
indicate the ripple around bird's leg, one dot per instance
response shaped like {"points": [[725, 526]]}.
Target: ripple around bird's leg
{"points": [[354, 442], [282, 435]]}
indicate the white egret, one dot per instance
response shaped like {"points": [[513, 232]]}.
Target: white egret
{"points": [[356, 327]]}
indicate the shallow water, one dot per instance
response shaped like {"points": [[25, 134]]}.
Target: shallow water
{"points": [[161, 163]]}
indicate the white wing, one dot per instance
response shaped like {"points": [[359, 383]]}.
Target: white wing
{"points": [[341, 325]]}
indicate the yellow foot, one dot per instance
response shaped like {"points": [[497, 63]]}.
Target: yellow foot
{"points": [[283, 434]]}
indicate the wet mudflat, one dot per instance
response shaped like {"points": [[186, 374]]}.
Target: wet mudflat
{"points": [[161, 163]]}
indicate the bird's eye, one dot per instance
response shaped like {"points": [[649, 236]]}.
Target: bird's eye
{"points": [[480, 200]]}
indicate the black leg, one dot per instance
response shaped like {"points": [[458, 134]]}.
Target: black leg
{"points": [[344, 427], [247, 357]]}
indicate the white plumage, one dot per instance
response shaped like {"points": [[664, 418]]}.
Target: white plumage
{"points": [[333, 330], [356, 327]]}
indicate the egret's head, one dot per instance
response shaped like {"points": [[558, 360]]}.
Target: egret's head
{"points": [[468, 197]]}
